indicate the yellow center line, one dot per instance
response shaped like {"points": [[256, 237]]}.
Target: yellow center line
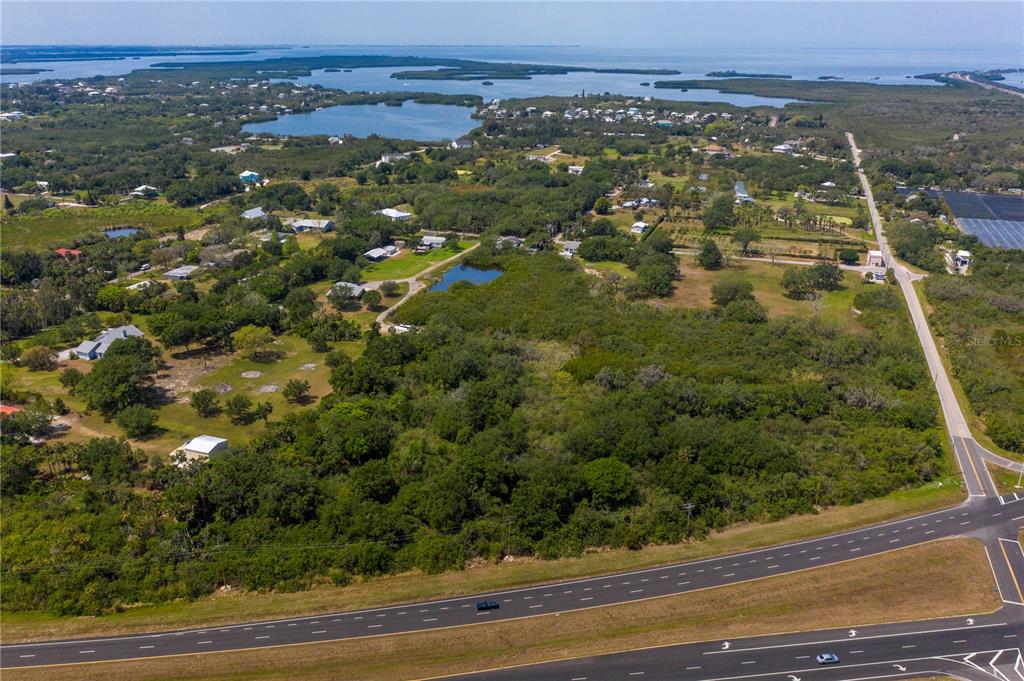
{"points": [[970, 459], [1013, 575]]}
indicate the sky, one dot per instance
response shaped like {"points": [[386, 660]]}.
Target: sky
{"points": [[874, 24]]}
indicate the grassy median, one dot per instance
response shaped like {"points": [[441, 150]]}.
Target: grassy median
{"points": [[239, 606], [949, 577]]}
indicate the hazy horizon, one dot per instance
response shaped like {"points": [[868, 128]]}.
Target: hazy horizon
{"points": [[641, 25]]}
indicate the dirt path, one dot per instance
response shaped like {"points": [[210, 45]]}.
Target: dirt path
{"points": [[416, 285]]}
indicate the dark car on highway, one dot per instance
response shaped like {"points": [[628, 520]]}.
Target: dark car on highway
{"points": [[483, 606]]}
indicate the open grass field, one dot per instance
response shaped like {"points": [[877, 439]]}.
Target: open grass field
{"points": [[181, 377], [945, 582], [408, 264], [61, 226], [694, 290], [236, 606]]}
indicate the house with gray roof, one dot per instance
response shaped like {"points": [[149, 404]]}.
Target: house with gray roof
{"points": [[97, 348]]}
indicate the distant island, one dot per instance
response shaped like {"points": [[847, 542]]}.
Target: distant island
{"points": [[20, 71], [30, 53], [830, 78], [444, 69], [740, 74]]}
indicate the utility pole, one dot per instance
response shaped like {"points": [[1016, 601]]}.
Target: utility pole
{"points": [[689, 514]]}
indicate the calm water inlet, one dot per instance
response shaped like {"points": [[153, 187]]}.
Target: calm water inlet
{"points": [[409, 121]]}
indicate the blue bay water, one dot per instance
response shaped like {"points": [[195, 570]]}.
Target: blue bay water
{"points": [[435, 122], [425, 122]]}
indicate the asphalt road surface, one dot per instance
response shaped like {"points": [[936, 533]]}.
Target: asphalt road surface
{"points": [[988, 519], [981, 647], [975, 648]]}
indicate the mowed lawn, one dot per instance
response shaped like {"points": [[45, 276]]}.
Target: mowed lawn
{"points": [[408, 264], [694, 290]]}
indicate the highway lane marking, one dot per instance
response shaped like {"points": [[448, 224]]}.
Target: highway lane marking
{"points": [[730, 574], [813, 558], [578, 678], [293, 624], [539, 605], [245, 628], [732, 650], [1009, 566], [970, 459], [681, 583], [140, 648], [369, 626], [257, 638], [83, 652], [802, 657], [324, 631], [856, 652], [430, 619], [637, 673], [855, 550], [691, 668], [636, 591], [962, 640], [203, 643], [771, 567], [26, 656], [587, 598], [748, 662]]}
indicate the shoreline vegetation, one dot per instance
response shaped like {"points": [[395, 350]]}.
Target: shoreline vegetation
{"points": [[739, 74], [26, 54], [446, 69]]}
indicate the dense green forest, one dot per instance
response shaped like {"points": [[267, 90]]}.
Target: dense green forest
{"points": [[538, 414]]}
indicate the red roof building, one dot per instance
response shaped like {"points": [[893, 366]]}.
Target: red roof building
{"points": [[8, 409], [66, 252]]}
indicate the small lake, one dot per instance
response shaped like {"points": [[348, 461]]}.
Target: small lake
{"points": [[426, 122], [464, 273], [121, 232]]}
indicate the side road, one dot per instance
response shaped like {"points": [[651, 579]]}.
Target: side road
{"points": [[970, 455]]}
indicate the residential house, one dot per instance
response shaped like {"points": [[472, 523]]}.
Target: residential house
{"points": [[639, 227], [68, 253], [8, 409], [199, 448], [378, 254], [462, 143], [140, 285], [307, 224], [145, 190], [97, 348], [349, 289], [575, 170], [181, 273], [254, 214], [249, 177], [569, 248], [394, 214], [875, 259], [433, 241]]}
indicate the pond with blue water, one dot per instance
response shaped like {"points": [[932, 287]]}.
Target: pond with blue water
{"points": [[465, 273], [121, 232]]}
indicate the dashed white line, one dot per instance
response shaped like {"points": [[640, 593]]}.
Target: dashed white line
{"points": [[324, 631]]}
